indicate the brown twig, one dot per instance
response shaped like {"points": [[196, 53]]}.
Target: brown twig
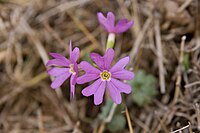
{"points": [[129, 121], [108, 118], [160, 55], [183, 6], [197, 110], [139, 39], [136, 17], [179, 130], [179, 70], [111, 113], [161, 123], [192, 84], [40, 121], [190, 128]]}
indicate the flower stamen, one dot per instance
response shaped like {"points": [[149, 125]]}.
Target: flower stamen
{"points": [[105, 75], [71, 70]]}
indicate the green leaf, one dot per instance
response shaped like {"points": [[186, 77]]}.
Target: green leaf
{"points": [[144, 88], [139, 99], [118, 123], [105, 109]]}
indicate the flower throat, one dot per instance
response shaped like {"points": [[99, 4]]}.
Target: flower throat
{"points": [[105, 75]]}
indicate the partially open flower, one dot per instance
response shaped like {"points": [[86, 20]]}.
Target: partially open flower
{"points": [[63, 68], [109, 23], [105, 77]]}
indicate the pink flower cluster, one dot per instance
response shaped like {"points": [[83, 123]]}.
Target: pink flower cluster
{"points": [[104, 76]]}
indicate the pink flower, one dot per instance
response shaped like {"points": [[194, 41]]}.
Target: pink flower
{"points": [[105, 77], [109, 23], [64, 68]]}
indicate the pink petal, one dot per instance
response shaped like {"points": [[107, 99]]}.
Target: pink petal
{"points": [[75, 54], [120, 64], [99, 60], [122, 26], [98, 96], [87, 78], [123, 75], [58, 81], [103, 62], [105, 22], [75, 75], [114, 93], [72, 86], [70, 48], [121, 86], [108, 58], [111, 19], [76, 68], [72, 91], [57, 71], [57, 62], [91, 89], [59, 56], [121, 22], [88, 68], [101, 18]]}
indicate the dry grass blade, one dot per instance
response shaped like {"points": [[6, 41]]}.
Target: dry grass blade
{"points": [[179, 130], [185, 5], [139, 39], [160, 56], [40, 122], [108, 118], [136, 17], [60, 8], [179, 70], [129, 121], [197, 110]]}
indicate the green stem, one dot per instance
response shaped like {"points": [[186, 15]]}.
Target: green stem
{"points": [[111, 41]]}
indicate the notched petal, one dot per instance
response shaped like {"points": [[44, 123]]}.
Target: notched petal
{"points": [[123, 75], [98, 96], [59, 80], [120, 65], [91, 89], [114, 93], [108, 58], [121, 86], [87, 78], [57, 62], [88, 68], [57, 71]]}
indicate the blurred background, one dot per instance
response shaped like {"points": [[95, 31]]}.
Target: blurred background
{"points": [[164, 46]]}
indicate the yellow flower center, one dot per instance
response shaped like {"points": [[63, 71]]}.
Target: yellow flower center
{"points": [[72, 69], [105, 75]]}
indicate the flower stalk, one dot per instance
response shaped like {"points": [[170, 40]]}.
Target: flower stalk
{"points": [[111, 41]]}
